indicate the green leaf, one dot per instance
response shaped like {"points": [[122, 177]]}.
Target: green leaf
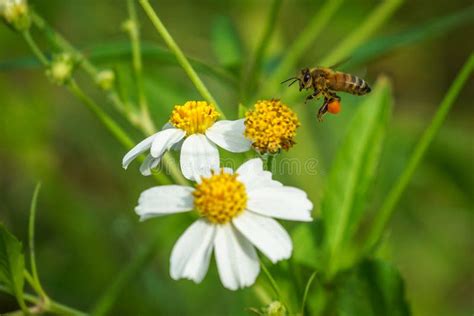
{"points": [[371, 288], [353, 171], [12, 263], [433, 28], [226, 42]]}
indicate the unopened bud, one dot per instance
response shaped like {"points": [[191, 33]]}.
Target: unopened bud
{"points": [[275, 308], [105, 79], [15, 13], [61, 69]]}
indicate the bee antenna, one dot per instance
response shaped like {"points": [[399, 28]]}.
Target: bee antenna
{"points": [[288, 80], [293, 82]]}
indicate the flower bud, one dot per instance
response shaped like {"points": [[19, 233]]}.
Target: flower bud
{"points": [[15, 13], [275, 308], [105, 79], [61, 69]]}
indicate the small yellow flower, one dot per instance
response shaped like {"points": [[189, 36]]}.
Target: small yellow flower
{"points": [[271, 126], [238, 211], [194, 130]]}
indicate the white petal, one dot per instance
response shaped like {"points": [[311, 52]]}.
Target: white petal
{"points": [[229, 135], [281, 202], [137, 150], [198, 157], [164, 140], [252, 175], [192, 252], [148, 164], [266, 234], [236, 258], [164, 200]]}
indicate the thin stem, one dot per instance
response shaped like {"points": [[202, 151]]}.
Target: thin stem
{"points": [[61, 43], [182, 60], [256, 64], [31, 240], [111, 125], [34, 47], [317, 23], [306, 291], [133, 29], [377, 17], [56, 39], [269, 159], [388, 206], [273, 283]]}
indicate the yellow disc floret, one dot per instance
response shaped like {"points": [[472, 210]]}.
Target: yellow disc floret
{"points": [[220, 197], [194, 117], [271, 126]]}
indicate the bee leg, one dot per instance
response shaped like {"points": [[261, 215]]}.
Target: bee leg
{"points": [[323, 109], [311, 96]]}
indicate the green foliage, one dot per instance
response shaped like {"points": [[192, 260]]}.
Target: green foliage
{"points": [[372, 288], [12, 263]]}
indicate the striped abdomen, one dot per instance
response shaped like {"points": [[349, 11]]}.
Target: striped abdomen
{"points": [[340, 81]]}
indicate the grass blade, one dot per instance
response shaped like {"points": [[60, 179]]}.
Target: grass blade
{"points": [[378, 16]]}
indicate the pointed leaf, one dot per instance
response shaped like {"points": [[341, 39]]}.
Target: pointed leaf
{"points": [[353, 171], [12, 263]]}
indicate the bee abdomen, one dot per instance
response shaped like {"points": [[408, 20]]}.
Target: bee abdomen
{"points": [[356, 85]]}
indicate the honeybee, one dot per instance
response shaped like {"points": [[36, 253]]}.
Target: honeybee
{"points": [[324, 82]]}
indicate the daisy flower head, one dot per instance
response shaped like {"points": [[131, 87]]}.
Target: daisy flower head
{"points": [[193, 128], [236, 216], [271, 126]]}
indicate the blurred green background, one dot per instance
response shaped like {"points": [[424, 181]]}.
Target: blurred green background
{"points": [[86, 228]]}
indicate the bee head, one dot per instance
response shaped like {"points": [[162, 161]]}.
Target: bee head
{"points": [[305, 79]]}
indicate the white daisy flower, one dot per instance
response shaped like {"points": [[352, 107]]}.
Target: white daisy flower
{"points": [[192, 128], [236, 213]]}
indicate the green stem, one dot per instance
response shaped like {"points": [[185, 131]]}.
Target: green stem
{"points": [[378, 16], [269, 159], [54, 307], [306, 291], [111, 125], [182, 60], [300, 46], [34, 47], [256, 64], [388, 207], [31, 240], [62, 44], [134, 33], [273, 283]]}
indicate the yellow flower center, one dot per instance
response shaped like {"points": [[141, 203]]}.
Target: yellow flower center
{"points": [[220, 197], [194, 117], [271, 126]]}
